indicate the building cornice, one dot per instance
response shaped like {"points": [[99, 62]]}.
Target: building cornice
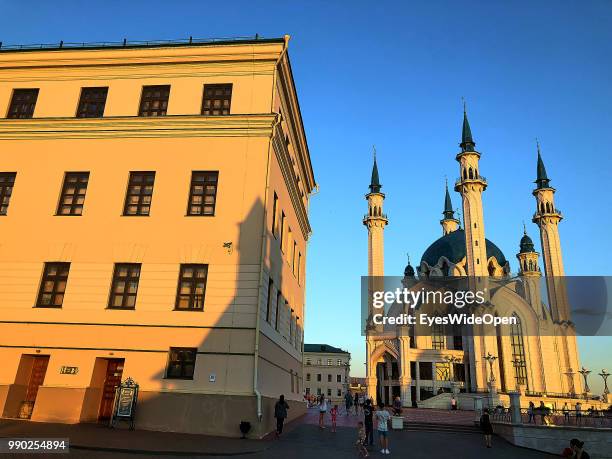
{"points": [[257, 125]]}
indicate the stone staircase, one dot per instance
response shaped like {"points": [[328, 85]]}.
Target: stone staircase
{"points": [[437, 427]]}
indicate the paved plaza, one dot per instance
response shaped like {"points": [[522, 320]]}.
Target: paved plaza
{"points": [[302, 439]]}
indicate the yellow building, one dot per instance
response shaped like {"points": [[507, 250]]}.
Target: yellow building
{"points": [[154, 220]]}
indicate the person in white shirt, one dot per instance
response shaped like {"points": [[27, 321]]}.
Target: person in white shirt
{"points": [[382, 418], [322, 411]]}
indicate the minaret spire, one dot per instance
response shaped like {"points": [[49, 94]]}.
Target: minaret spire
{"points": [[375, 185], [542, 179], [467, 142], [449, 222]]}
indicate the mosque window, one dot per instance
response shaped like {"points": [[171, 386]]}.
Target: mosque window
{"points": [[518, 352], [471, 173], [425, 370], [438, 339]]}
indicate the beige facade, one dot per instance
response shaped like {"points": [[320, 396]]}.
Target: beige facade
{"points": [[244, 323], [538, 356], [326, 371]]}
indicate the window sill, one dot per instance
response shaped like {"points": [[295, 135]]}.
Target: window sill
{"points": [[68, 215], [135, 215], [46, 306], [199, 215], [118, 308], [189, 309]]}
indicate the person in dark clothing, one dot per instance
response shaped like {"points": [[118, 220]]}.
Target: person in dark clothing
{"points": [[280, 413], [487, 428], [368, 413], [577, 446], [348, 401], [356, 403]]}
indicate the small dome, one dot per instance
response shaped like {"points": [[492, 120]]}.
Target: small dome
{"points": [[409, 271], [526, 244], [452, 246]]}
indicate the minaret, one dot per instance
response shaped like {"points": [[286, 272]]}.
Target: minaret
{"points": [[471, 185], [449, 222], [528, 257], [375, 221], [547, 217]]}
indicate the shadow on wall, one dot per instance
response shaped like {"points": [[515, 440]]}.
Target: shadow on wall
{"points": [[221, 393]]}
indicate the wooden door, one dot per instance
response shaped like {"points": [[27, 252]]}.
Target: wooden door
{"points": [[114, 370], [37, 377]]}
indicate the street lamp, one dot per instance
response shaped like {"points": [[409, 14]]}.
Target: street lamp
{"points": [[604, 374], [585, 374], [452, 360], [491, 358]]}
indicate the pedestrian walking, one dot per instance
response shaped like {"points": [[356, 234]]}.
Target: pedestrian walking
{"points": [[348, 400], [486, 427], [368, 414], [280, 413], [334, 417], [382, 419], [322, 411], [530, 412], [578, 408], [566, 413], [453, 403], [356, 402]]}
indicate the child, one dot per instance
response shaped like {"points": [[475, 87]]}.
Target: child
{"points": [[334, 416], [361, 440], [383, 417]]}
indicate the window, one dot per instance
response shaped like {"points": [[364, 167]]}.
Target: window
{"points": [[7, 181], [307, 376], [299, 269], [191, 287], [294, 258], [53, 285], [124, 286], [203, 193], [438, 339], [318, 391], [442, 371], [329, 378], [73, 193], [181, 363], [217, 99], [329, 392], [289, 244], [282, 231], [274, 216], [154, 100], [23, 103], [338, 378], [425, 370], [269, 302], [339, 393], [329, 361], [92, 102], [518, 352], [319, 377], [139, 193], [308, 361], [318, 361], [277, 312]]}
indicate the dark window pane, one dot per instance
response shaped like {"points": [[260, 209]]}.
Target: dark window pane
{"points": [[125, 285], [53, 285], [73, 193], [138, 197], [7, 181], [181, 363], [217, 99], [203, 193], [154, 100], [23, 103], [92, 102], [191, 287]]}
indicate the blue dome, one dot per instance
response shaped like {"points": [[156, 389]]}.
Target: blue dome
{"points": [[452, 246]]}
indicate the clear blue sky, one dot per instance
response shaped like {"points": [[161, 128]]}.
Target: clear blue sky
{"points": [[393, 74]]}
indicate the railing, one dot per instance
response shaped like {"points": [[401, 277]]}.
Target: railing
{"points": [[543, 214], [129, 43], [547, 417], [478, 178]]}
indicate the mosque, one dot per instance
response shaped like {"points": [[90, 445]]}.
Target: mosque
{"points": [[538, 356]]}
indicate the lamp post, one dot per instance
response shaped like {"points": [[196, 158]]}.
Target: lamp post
{"points": [[585, 374], [604, 374], [491, 358], [452, 360]]}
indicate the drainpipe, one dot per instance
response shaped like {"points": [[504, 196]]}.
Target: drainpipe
{"points": [[277, 121]]}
